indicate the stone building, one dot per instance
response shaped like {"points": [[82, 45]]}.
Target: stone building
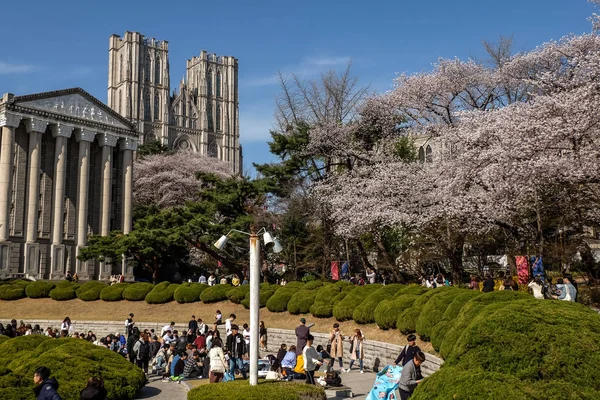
{"points": [[66, 163], [202, 116]]}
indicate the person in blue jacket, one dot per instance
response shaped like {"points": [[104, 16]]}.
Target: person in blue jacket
{"points": [[46, 387]]}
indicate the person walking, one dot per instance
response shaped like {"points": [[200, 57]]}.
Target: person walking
{"points": [[141, 349], [262, 332], [302, 332], [312, 359], [236, 348], [409, 351], [409, 378], [217, 361], [46, 387], [356, 350], [336, 340]]}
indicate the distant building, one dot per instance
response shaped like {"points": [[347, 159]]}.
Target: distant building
{"points": [[66, 171], [203, 116]]}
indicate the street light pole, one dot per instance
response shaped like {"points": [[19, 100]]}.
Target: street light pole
{"points": [[254, 305]]}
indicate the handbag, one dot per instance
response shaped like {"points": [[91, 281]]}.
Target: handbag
{"points": [[228, 376]]}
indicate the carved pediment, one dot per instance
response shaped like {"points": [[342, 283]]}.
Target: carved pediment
{"points": [[75, 105]]}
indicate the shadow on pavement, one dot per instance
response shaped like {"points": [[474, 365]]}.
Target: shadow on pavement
{"points": [[148, 392]]}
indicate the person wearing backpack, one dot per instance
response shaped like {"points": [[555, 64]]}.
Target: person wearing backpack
{"points": [[141, 349]]}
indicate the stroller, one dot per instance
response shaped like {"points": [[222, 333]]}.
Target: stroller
{"points": [[386, 384]]}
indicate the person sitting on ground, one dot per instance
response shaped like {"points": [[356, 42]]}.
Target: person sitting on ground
{"points": [[536, 286], [569, 293], [192, 367], [218, 320], [235, 281], [409, 379], [46, 387], [94, 390], [325, 356], [288, 362], [281, 353]]}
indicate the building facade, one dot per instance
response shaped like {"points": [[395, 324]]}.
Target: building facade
{"points": [[66, 171], [201, 116]]}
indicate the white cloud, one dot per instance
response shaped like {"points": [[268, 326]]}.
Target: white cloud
{"points": [[307, 68], [8, 68]]}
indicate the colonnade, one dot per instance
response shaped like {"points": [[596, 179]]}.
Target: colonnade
{"points": [[21, 252]]}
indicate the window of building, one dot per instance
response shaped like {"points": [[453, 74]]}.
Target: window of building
{"points": [[121, 67], [146, 105], [209, 84], [428, 154], [119, 109], [209, 115], [218, 84], [421, 154], [147, 69], [156, 107], [213, 150], [194, 118], [157, 70], [218, 117]]}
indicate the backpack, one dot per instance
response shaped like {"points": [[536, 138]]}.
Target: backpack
{"points": [[333, 379], [144, 352]]}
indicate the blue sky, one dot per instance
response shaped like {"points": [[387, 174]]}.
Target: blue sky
{"points": [[49, 45]]}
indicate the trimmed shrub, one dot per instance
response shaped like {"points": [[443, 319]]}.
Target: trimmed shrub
{"points": [[433, 311], [189, 292], [266, 292], [113, 292], [340, 296], [11, 291], [342, 311], [70, 361], [64, 290], [264, 390], [137, 291], [237, 294], [295, 284], [313, 285], [407, 321], [386, 312], [323, 304], [278, 302], [301, 301], [470, 310], [364, 313], [90, 291], [215, 293], [162, 293], [439, 330], [416, 290], [39, 289]]}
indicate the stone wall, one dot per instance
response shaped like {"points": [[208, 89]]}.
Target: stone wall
{"points": [[377, 354]]}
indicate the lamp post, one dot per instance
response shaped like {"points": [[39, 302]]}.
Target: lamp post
{"points": [[254, 289]]}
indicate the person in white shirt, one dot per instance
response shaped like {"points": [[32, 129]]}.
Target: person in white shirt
{"points": [[166, 328], [246, 335], [312, 359], [202, 279], [211, 280], [228, 323], [536, 286], [371, 276]]}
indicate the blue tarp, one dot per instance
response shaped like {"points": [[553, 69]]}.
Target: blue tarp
{"points": [[386, 384]]}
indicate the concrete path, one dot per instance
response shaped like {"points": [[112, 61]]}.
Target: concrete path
{"points": [[156, 389], [360, 384]]}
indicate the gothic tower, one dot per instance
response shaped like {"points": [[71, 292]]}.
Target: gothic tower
{"points": [[138, 83]]}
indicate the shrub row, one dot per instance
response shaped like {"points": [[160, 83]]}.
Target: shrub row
{"points": [[189, 292], [264, 390], [162, 293], [70, 361]]}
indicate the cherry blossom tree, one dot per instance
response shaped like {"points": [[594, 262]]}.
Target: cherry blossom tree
{"points": [[166, 180]]}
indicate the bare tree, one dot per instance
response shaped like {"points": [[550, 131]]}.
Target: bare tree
{"points": [[333, 97]]}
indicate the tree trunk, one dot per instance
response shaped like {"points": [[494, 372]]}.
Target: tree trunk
{"points": [[363, 255], [456, 259], [391, 261]]}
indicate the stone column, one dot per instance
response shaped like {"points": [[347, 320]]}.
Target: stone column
{"points": [[8, 123], [84, 137], [62, 133], [107, 142], [128, 146], [35, 128]]}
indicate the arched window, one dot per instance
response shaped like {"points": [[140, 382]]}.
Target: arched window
{"points": [[147, 69], [194, 118], [218, 117], [147, 106], [157, 70], [209, 84], [428, 154], [213, 149], [218, 84], [209, 115], [156, 107], [421, 154]]}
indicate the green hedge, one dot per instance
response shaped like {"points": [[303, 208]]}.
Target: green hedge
{"points": [[114, 292], [313, 285], [264, 390], [439, 330], [90, 291], [295, 284], [407, 320], [215, 293], [70, 361], [387, 311], [278, 302], [39, 289], [433, 312], [189, 292], [323, 305], [64, 290], [12, 291], [237, 294], [342, 311], [365, 312], [162, 293], [137, 291], [301, 301], [266, 291]]}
